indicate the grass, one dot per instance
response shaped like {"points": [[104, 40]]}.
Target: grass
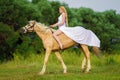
{"points": [[106, 68]]}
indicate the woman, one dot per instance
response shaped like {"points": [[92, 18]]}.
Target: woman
{"points": [[62, 22], [78, 34]]}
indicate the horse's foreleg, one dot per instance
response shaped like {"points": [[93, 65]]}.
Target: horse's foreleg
{"points": [[87, 55], [48, 51], [61, 60]]}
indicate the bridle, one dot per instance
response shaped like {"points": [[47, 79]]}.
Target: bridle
{"points": [[51, 30], [29, 26]]}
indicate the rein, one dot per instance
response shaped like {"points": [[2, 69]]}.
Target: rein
{"points": [[50, 29], [47, 28]]}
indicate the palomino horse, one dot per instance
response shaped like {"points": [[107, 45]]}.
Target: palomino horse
{"points": [[50, 44]]}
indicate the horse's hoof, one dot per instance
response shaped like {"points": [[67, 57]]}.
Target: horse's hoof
{"points": [[40, 73], [83, 70], [87, 71], [65, 72]]}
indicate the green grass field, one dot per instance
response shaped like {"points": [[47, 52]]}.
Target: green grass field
{"points": [[106, 68]]}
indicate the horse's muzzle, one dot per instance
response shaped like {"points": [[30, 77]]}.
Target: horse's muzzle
{"points": [[22, 30]]}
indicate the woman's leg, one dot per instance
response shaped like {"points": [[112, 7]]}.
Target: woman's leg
{"points": [[55, 34]]}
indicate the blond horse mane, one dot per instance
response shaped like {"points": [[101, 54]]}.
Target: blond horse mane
{"points": [[44, 27]]}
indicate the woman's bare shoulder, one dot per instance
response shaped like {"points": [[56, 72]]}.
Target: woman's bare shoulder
{"points": [[63, 13]]}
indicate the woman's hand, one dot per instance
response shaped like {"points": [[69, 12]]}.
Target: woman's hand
{"points": [[51, 26], [54, 25]]}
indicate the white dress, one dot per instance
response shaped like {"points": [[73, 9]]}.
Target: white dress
{"points": [[79, 34], [59, 20]]}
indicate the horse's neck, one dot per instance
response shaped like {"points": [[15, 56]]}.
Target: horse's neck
{"points": [[43, 34]]}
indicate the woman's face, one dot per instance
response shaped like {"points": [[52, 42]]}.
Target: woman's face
{"points": [[60, 10]]}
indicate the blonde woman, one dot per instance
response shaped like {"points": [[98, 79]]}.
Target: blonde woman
{"points": [[77, 33], [62, 23]]}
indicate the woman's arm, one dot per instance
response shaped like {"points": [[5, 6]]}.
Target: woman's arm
{"points": [[59, 23], [63, 20]]}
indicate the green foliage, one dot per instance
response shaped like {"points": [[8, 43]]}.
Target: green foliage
{"points": [[29, 46], [17, 12], [46, 10], [8, 39]]}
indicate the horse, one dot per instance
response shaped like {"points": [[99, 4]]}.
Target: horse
{"points": [[50, 44]]}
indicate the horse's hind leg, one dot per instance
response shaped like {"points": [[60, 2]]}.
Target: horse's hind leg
{"points": [[83, 64], [87, 56], [61, 61]]}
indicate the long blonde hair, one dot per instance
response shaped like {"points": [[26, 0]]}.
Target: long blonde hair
{"points": [[64, 10]]}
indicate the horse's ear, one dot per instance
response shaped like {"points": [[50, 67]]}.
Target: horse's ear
{"points": [[32, 21]]}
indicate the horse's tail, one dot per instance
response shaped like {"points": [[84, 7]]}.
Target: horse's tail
{"points": [[97, 51]]}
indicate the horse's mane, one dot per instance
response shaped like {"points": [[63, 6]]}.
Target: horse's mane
{"points": [[44, 27]]}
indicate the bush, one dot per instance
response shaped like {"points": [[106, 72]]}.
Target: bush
{"points": [[8, 39]]}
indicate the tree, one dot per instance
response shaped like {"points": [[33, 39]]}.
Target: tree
{"points": [[17, 12], [8, 42]]}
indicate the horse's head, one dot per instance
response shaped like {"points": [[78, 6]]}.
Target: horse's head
{"points": [[35, 26], [29, 27]]}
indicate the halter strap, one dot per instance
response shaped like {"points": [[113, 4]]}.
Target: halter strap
{"points": [[51, 30]]}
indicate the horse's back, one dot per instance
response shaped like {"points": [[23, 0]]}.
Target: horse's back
{"points": [[66, 41]]}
